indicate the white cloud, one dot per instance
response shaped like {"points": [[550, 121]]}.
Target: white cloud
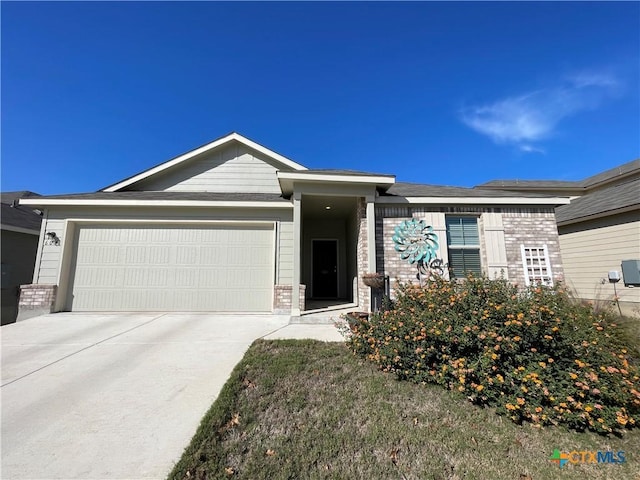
{"points": [[593, 79], [525, 119], [531, 149]]}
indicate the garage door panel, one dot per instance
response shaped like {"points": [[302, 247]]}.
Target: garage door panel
{"points": [[137, 268]]}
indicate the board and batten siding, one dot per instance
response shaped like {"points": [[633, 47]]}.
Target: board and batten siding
{"points": [[232, 169], [591, 249], [48, 265]]}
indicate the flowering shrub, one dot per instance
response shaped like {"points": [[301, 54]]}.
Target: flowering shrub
{"points": [[534, 355]]}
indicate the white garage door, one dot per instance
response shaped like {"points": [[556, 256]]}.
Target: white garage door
{"points": [[223, 268]]}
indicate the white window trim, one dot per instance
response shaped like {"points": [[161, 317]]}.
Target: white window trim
{"points": [[548, 279]]}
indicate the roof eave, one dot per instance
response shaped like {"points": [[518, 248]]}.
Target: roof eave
{"points": [[72, 202], [288, 179], [548, 201]]}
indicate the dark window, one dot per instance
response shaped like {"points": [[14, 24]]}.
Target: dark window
{"points": [[463, 244]]}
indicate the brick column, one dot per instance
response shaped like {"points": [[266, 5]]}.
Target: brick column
{"points": [[36, 300], [283, 299]]}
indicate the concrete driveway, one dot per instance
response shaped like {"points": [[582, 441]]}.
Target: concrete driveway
{"points": [[89, 396]]}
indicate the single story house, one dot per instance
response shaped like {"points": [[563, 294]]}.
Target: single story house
{"points": [[599, 232], [20, 229], [232, 226]]}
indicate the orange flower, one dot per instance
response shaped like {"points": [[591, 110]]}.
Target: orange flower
{"points": [[520, 400]]}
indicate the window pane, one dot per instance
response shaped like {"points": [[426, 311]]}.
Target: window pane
{"points": [[464, 261], [470, 229], [455, 234], [462, 231]]}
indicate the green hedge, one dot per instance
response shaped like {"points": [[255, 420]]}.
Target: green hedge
{"points": [[534, 355]]}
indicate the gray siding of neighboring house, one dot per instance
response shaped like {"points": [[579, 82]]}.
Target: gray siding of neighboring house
{"points": [[18, 253], [591, 249], [48, 267], [230, 169]]}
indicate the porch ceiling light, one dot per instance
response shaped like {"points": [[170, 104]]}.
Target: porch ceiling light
{"points": [[328, 207]]}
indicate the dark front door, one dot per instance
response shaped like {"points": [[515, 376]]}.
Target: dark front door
{"points": [[325, 268]]}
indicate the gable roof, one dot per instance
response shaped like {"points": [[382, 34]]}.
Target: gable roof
{"points": [[608, 200], [232, 137]]}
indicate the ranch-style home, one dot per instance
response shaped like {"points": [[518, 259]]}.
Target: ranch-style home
{"points": [[232, 226]]}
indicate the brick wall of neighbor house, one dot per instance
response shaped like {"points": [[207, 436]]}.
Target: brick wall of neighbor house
{"points": [[531, 227], [36, 299], [282, 295], [364, 294]]}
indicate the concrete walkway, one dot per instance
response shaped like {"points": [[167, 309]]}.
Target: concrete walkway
{"points": [[118, 396]]}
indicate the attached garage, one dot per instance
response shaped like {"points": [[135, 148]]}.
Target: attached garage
{"points": [[152, 267]]}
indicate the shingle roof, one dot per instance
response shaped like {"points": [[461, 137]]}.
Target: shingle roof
{"points": [[203, 196], [620, 171], [18, 216], [9, 197], [531, 184], [608, 199], [404, 189]]}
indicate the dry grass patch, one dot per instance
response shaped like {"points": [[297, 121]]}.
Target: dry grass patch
{"points": [[307, 409]]}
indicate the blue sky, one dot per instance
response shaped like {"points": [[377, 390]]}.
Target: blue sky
{"points": [[444, 93]]}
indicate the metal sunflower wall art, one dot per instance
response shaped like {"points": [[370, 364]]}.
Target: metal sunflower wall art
{"points": [[415, 241]]}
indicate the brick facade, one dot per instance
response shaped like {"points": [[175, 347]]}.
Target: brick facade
{"points": [[36, 300], [528, 226], [364, 294], [282, 298], [531, 227]]}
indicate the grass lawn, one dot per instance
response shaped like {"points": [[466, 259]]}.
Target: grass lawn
{"points": [[297, 409]]}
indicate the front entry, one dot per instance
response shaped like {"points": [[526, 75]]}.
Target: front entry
{"points": [[324, 255]]}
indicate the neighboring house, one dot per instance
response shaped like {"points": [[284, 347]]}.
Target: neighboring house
{"points": [[235, 227], [20, 231], [599, 230]]}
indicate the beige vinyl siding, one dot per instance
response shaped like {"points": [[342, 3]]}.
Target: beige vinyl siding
{"points": [[47, 266], [285, 257], [591, 249], [230, 169]]}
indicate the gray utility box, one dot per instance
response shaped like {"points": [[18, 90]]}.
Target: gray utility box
{"points": [[631, 273]]}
